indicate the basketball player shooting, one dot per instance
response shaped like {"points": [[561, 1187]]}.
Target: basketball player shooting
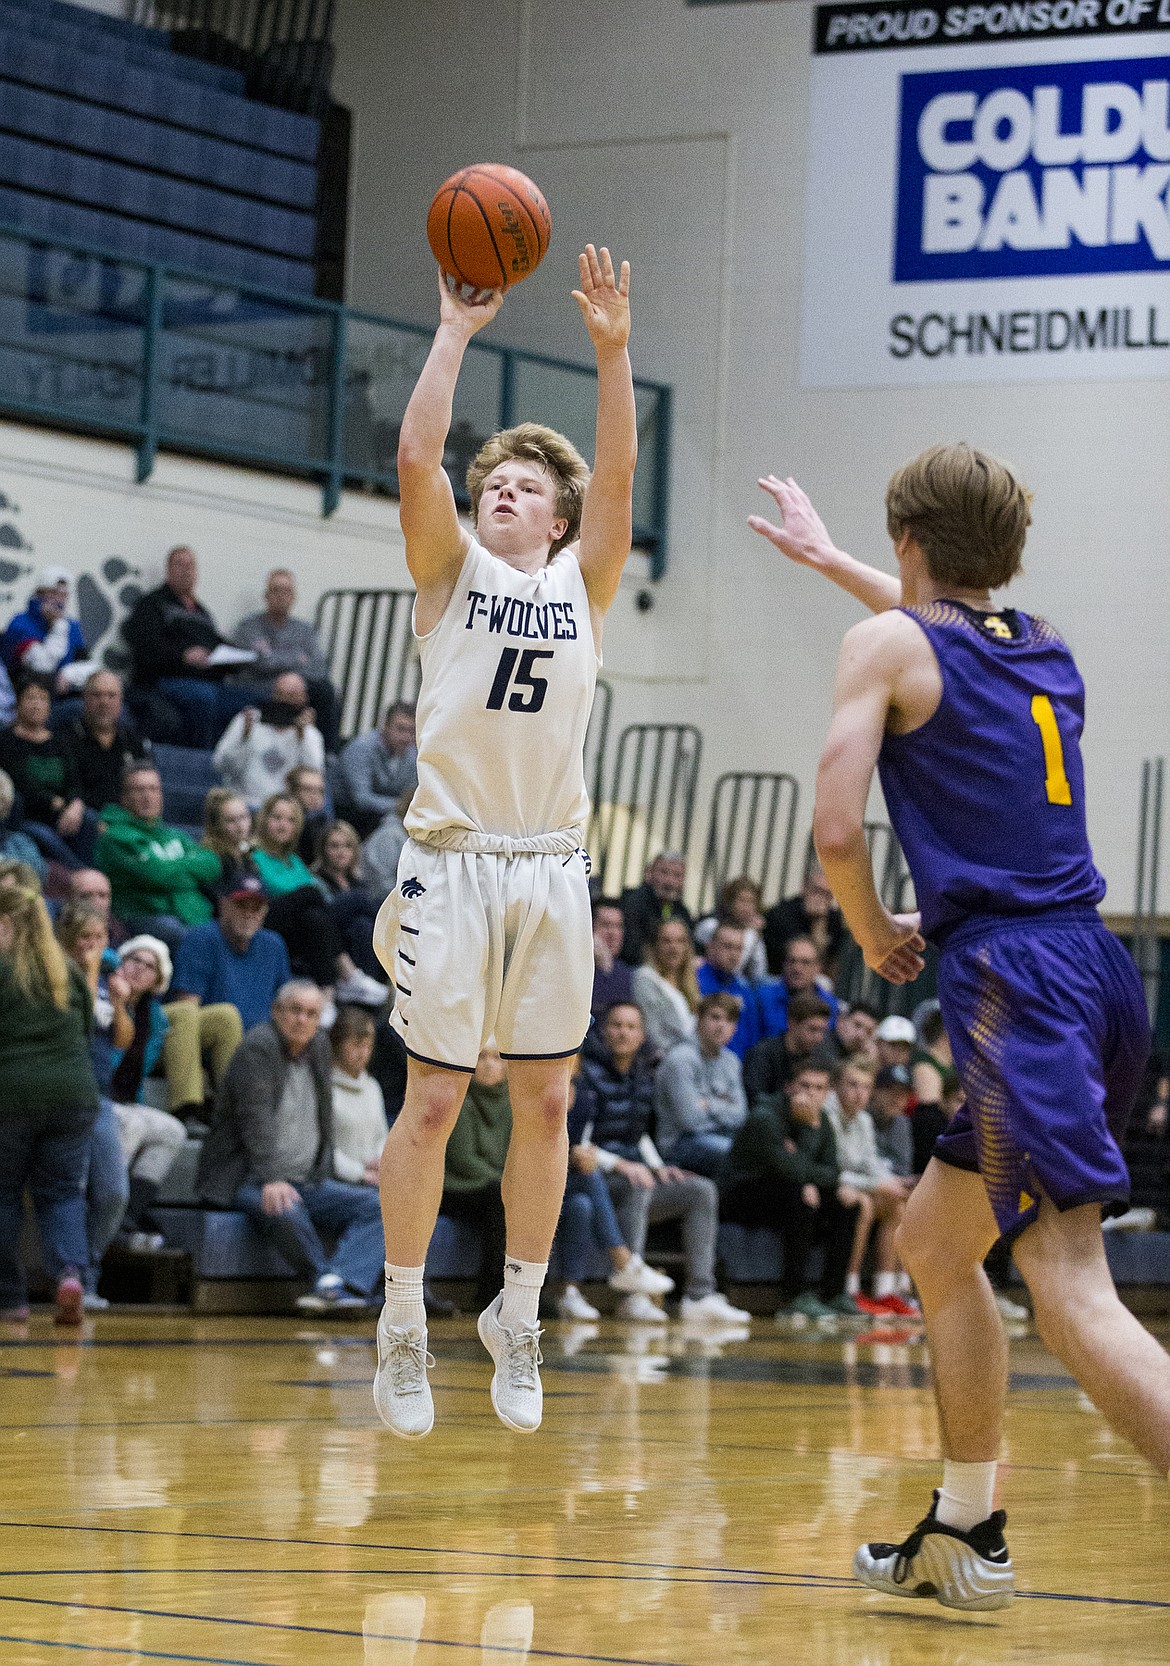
{"points": [[488, 932], [972, 715]]}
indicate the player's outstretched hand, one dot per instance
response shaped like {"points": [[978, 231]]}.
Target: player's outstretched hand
{"points": [[604, 299], [803, 538], [897, 954], [468, 312]]}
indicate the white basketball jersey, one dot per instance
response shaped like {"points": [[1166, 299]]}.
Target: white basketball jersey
{"points": [[508, 676]]}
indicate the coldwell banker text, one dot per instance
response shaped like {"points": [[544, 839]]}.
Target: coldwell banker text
{"points": [[1034, 170]]}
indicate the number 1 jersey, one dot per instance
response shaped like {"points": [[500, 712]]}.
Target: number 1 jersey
{"points": [[987, 797], [508, 676]]}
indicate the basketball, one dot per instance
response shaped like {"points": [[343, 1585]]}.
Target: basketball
{"points": [[488, 226]]}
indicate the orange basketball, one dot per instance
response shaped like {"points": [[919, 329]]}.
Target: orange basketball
{"points": [[488, 226]]}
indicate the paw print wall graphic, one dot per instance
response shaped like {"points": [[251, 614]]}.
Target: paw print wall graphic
{"points": [[103, 602], [14, 573]]}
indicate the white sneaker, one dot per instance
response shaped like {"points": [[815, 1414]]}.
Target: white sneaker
{"points": [[637, 1279], [402, 1394], [571, 1304], [91, 1302], [714, 1308], [329, 1295], [1134, 1220], [641, 1309], [361, 989], [516, 1392], [1008, 1309]]}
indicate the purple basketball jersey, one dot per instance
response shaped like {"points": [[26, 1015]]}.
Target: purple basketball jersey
{"points": [[987, 797]]}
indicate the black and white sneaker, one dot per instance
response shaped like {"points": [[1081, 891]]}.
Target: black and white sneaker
{"points": [[971, 1570]]}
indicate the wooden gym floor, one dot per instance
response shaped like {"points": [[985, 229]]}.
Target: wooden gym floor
{"points": [[218, 1490]]}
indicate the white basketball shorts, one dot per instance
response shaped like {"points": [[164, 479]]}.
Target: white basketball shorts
{"points": [[487, 945]]}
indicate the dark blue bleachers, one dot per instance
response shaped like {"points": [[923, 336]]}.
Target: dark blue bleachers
{"points": [[79, 32]]}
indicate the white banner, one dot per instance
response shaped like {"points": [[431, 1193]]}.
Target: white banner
{"points": [[987, 193]]}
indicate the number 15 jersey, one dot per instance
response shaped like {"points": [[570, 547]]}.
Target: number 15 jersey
{"points": [[987, 797], [508, 675]]}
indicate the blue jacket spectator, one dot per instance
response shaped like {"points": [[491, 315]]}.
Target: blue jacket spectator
{"points": [[613, 1108], [717, 975], [233, 959], [42, 639], [800, 975]]}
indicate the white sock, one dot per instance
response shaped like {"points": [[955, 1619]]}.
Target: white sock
{"points": [[904, 1284], [884, 1284], [852, 1284], [404, 1297], [966, 1495], [522, 1286]]}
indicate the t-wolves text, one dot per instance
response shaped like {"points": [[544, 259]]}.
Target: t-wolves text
{"points": [[1034, 170], [532, 621]]}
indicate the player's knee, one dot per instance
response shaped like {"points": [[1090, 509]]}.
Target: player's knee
{"points": [[432, 1110], [543, 1110]]}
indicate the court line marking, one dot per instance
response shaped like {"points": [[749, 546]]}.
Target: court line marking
{"points": [[146, 1654], [312, 1631], [756, 1575], [764, 1581]]}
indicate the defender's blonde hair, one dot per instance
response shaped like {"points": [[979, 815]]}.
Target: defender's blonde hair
{"points": [[560, 460], [967, 511], [38, 963]]}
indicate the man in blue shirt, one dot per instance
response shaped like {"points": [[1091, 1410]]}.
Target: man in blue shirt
{"points": [[234, 959], [800, 975], [717, 975]]}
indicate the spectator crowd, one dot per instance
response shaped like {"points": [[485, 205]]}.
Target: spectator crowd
{"points": [[163, 984]]}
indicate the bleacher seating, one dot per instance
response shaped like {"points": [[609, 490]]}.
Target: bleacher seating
{"points": [[187, 776], [109, 137]]}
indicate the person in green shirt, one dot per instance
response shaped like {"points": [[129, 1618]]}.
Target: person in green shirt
{"points": [[161, 878], [474, 1167], [782, 1172], [48, 1104]]}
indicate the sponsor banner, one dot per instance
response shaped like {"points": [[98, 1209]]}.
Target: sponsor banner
{"points": [[988, 195]]}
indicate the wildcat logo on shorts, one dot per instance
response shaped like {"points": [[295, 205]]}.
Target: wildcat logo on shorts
{"points": [[1034, 170], [412, 888]]}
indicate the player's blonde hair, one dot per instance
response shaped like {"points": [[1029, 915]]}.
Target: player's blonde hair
{"points": [[557, 457], [967, 511]]}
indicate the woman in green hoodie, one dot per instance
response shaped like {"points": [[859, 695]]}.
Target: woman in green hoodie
{"points": [[48, 1103]]}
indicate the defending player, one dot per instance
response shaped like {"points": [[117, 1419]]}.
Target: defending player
{"points": [[973, 716], [488, 931]]}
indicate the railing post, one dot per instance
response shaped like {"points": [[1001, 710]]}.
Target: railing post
{"points": [[661, 481], [331, 496], [507, 389], [148, 410]]}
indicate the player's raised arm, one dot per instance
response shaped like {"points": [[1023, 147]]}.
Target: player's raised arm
{"points": [[607, 518], [804, 539], [436, 544], [872, 655]]}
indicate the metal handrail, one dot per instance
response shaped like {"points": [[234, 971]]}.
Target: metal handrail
{"points": [[745, 814], [650, 804], [151, 312], [1147, 948]]}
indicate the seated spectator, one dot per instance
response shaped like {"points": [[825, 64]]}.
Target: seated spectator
{"points": [[298, 907], [800, 975], [48, 1103], [474, 1168], [307, 786], [611, 1116], [659, 898], [895, 1040], [282, 643], [932, 1075], [773, 1062], [19, 876], [717, 975], [377, 768], [1147, 1148], [699, 1100], [14, 845], [381, 851], [42, 770], [172, 637], [91, 887], [261, 745], [666, 992], [811, 914], [783, 1173], [227, 830], [43, 640], [359, 1111], [739, 905], [81, 931], [888, 1106], [233, 960], [613, 980], [270, 1153], [866, 1180], [102, 740], [854, 1032], [337, 865], [160, 877]]}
